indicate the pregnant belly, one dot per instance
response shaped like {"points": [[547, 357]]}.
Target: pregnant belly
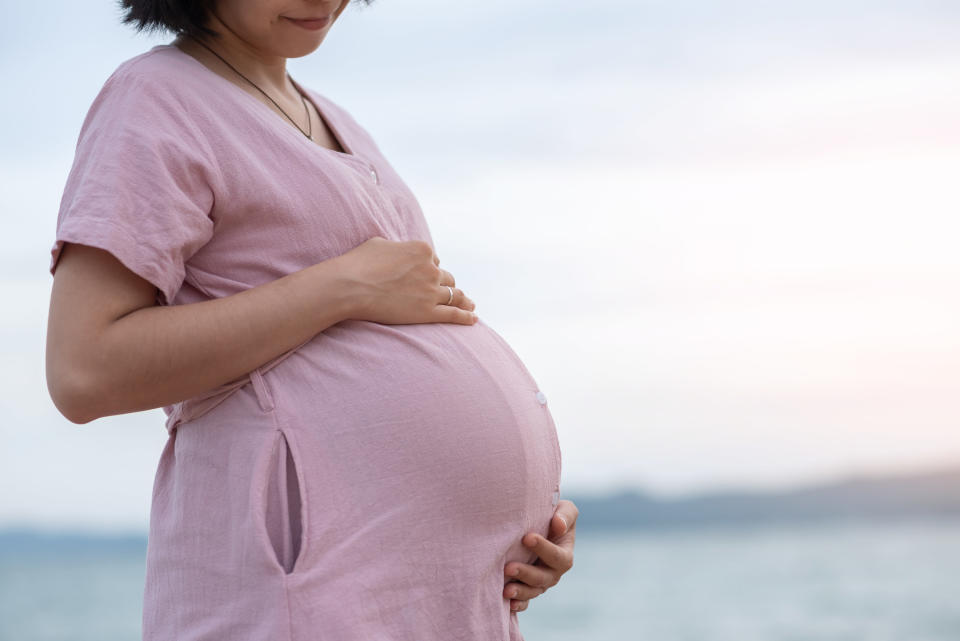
{"points": [[380, 475], [428, 442]]}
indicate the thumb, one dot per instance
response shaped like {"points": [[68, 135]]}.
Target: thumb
{"points": [[558, 524]]}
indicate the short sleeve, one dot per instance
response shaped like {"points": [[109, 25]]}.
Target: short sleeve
{"points": [[140, 184]]}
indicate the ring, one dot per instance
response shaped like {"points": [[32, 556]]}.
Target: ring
{"points": [[451, 294]]}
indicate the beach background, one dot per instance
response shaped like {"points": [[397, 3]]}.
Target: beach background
{"points": [[736, 219]]}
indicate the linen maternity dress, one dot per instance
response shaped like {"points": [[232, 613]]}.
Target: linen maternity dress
{"points": [[369, 484]]}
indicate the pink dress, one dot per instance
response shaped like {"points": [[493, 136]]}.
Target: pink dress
{"points": [[367, 485]]}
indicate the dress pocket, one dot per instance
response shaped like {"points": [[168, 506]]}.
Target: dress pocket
{"points": [[284, 510]]}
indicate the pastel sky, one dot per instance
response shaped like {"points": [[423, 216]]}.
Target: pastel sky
{"points": [[721, 235]]}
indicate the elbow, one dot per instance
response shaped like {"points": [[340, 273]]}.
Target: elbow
{"points": [[73, 392]]}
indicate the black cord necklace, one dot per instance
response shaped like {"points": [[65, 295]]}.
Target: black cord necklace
{"points": [[309, 133]]}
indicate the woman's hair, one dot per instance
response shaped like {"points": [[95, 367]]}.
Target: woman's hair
{"points": [[179, 16]]}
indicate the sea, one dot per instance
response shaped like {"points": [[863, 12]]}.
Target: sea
{"points": [[836, 581]]}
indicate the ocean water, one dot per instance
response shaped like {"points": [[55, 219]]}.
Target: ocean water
{"points": [[817, 582], [823, 582]]}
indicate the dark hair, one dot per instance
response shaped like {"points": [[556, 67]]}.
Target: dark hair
{"points": [[179, 16]]}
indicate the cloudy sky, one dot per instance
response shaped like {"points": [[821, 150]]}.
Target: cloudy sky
{"points": [[721, 235]]}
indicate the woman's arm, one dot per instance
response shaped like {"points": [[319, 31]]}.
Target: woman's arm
{"points": [[111, 351]]}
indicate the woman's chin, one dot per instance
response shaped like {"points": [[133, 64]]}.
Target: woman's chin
{"points": [[299, 48]]}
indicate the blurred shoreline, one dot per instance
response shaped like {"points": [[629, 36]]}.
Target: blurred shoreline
{"points": [[928, 495], [924, 495]]}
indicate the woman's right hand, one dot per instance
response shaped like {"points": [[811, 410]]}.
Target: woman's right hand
{"points": [[401, 282]]}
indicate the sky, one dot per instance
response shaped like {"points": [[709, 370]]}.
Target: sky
{"points": [[721, 235]]}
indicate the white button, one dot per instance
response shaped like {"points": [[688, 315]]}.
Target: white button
{"points": [[556, 498], [373, 174], [541, 398]]}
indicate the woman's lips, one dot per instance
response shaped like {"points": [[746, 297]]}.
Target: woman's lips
{"points": [[312, 23]]}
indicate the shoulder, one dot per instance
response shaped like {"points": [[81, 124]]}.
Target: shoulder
{"points": [[154, 91], [163, 72], [153, 62]]}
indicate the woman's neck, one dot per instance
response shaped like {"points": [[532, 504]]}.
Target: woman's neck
{"points": [[266, 71]]}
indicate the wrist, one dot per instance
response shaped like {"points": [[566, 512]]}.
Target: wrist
{"points": [[342, 294]]}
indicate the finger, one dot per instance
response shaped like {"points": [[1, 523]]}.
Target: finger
{"points": [[521, 591], [452, 314], [518, 606], [459, 299], [446, 278], [538, 576], [564, 518], [556, 556], [558, 526]]}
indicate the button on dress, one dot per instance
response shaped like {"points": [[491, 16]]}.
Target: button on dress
{"points": [[369, 484]]}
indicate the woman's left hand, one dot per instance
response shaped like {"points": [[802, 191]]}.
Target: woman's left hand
{"points": [[555, 557]]}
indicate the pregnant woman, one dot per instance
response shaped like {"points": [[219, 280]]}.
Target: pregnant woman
{"points": [[352, 454]]}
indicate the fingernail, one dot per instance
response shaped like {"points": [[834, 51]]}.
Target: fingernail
{"points": [[565, 525], [514, 571], [514, 592]]}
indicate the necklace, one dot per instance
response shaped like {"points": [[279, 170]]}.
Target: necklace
{"points": [[308, 133]]}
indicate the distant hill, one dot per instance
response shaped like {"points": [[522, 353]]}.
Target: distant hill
{"points": [[934, 494], [929, 495]]}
